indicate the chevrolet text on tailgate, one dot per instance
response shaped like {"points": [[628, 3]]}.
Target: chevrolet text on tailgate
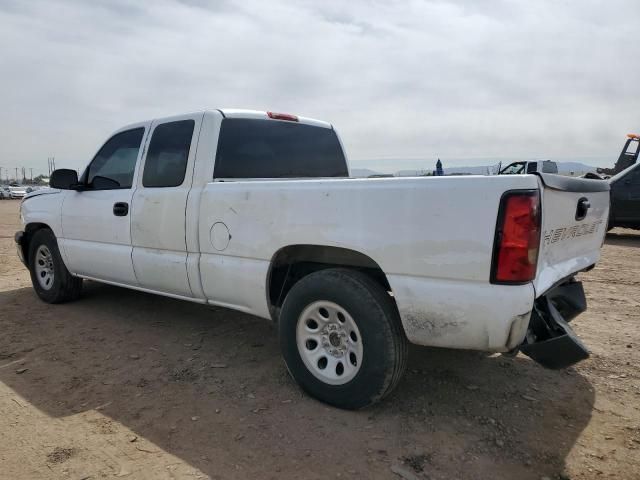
{"points": [[255, 211]]}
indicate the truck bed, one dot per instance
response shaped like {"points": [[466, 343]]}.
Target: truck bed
{"points": [[433, 238]]}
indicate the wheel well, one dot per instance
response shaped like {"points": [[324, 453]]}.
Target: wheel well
{"points": [[29, 230], [292, 263]]}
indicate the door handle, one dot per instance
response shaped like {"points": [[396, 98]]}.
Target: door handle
{"points": [[583, 208], [120, 209]]}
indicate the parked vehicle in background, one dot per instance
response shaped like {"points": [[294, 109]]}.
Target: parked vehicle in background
{"points": [[254, 211], [19, 191], [4, 192], [624, 181], [628, 156], [625, 198], [519, 168]]}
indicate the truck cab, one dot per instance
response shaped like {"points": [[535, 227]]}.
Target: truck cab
{"points": [[519, 168]]}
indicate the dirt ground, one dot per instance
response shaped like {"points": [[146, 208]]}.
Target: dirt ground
{"points": [[122, 384]]}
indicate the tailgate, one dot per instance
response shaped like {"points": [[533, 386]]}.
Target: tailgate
{"points": [[574, 221]]}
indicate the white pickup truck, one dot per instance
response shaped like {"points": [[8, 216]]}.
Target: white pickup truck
{"points": [[254, 211]]}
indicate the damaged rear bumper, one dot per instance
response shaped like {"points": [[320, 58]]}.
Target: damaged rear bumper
{"points": [[550, 340]]}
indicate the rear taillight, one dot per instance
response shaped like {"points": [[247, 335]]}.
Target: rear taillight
{"points": [[517, 240], [282, 116]]}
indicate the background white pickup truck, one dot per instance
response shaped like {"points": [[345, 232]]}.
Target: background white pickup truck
{"points": [[254, 211]]}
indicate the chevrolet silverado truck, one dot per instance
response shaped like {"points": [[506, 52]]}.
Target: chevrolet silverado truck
{"points": [[255, 211]]}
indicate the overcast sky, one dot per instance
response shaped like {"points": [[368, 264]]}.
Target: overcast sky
{"points": [[403, 82]]}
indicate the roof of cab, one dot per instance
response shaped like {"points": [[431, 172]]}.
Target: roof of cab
{"points": [[228, 113], [262, 115]]}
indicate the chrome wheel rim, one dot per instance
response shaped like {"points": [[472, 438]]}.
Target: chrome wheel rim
{"points": [[329, 342], [44, 267]]}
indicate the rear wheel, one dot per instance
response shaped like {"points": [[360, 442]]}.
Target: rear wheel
{"points": [[50, 278], [341, 338]]}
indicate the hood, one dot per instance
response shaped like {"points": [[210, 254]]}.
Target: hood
{"points": [[42, 191]]}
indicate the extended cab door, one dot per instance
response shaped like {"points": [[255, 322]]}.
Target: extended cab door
{"points": [[158, 223], [96, 229]]}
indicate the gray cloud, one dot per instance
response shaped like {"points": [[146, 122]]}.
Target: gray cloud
{"points": [[402, 81]]}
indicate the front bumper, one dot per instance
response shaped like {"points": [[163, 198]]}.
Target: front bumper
{"points": [[550, 340], [20, 238]]}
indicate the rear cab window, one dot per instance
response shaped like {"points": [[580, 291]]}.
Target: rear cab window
{"points": [[255, 148]]}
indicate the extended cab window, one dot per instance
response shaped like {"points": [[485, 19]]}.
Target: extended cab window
{"points": [[115, 163], [254, 148], [168, 153]]}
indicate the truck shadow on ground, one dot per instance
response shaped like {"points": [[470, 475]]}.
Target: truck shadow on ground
{"points": [[623, 239], [155, 364]]}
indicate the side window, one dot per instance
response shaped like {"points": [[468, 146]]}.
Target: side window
{"points": [[168, 153], [115, 163]]}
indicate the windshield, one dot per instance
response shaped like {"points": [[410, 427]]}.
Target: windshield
{"points": [[513, 169]]}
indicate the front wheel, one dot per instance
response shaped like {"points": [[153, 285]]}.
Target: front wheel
{"points": [[50, 278], [342, 339]]}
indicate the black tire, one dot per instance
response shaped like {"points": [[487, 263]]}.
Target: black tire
{"points": [[64, 287], [375, 315]]}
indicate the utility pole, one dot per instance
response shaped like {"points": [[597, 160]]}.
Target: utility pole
{"points": [[52, 164], [31, 174], [16, 174]]}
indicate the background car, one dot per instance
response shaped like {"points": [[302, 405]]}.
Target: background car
{"points": [[18, 191]]}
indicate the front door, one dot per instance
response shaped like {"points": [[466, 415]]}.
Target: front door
{"points": [[158, 228], [96, 227]]}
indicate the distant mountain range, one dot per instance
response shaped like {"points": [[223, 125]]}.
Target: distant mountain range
{"points": [[563, 167]]}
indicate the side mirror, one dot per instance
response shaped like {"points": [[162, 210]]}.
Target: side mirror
{"points": [[63, 179]]}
